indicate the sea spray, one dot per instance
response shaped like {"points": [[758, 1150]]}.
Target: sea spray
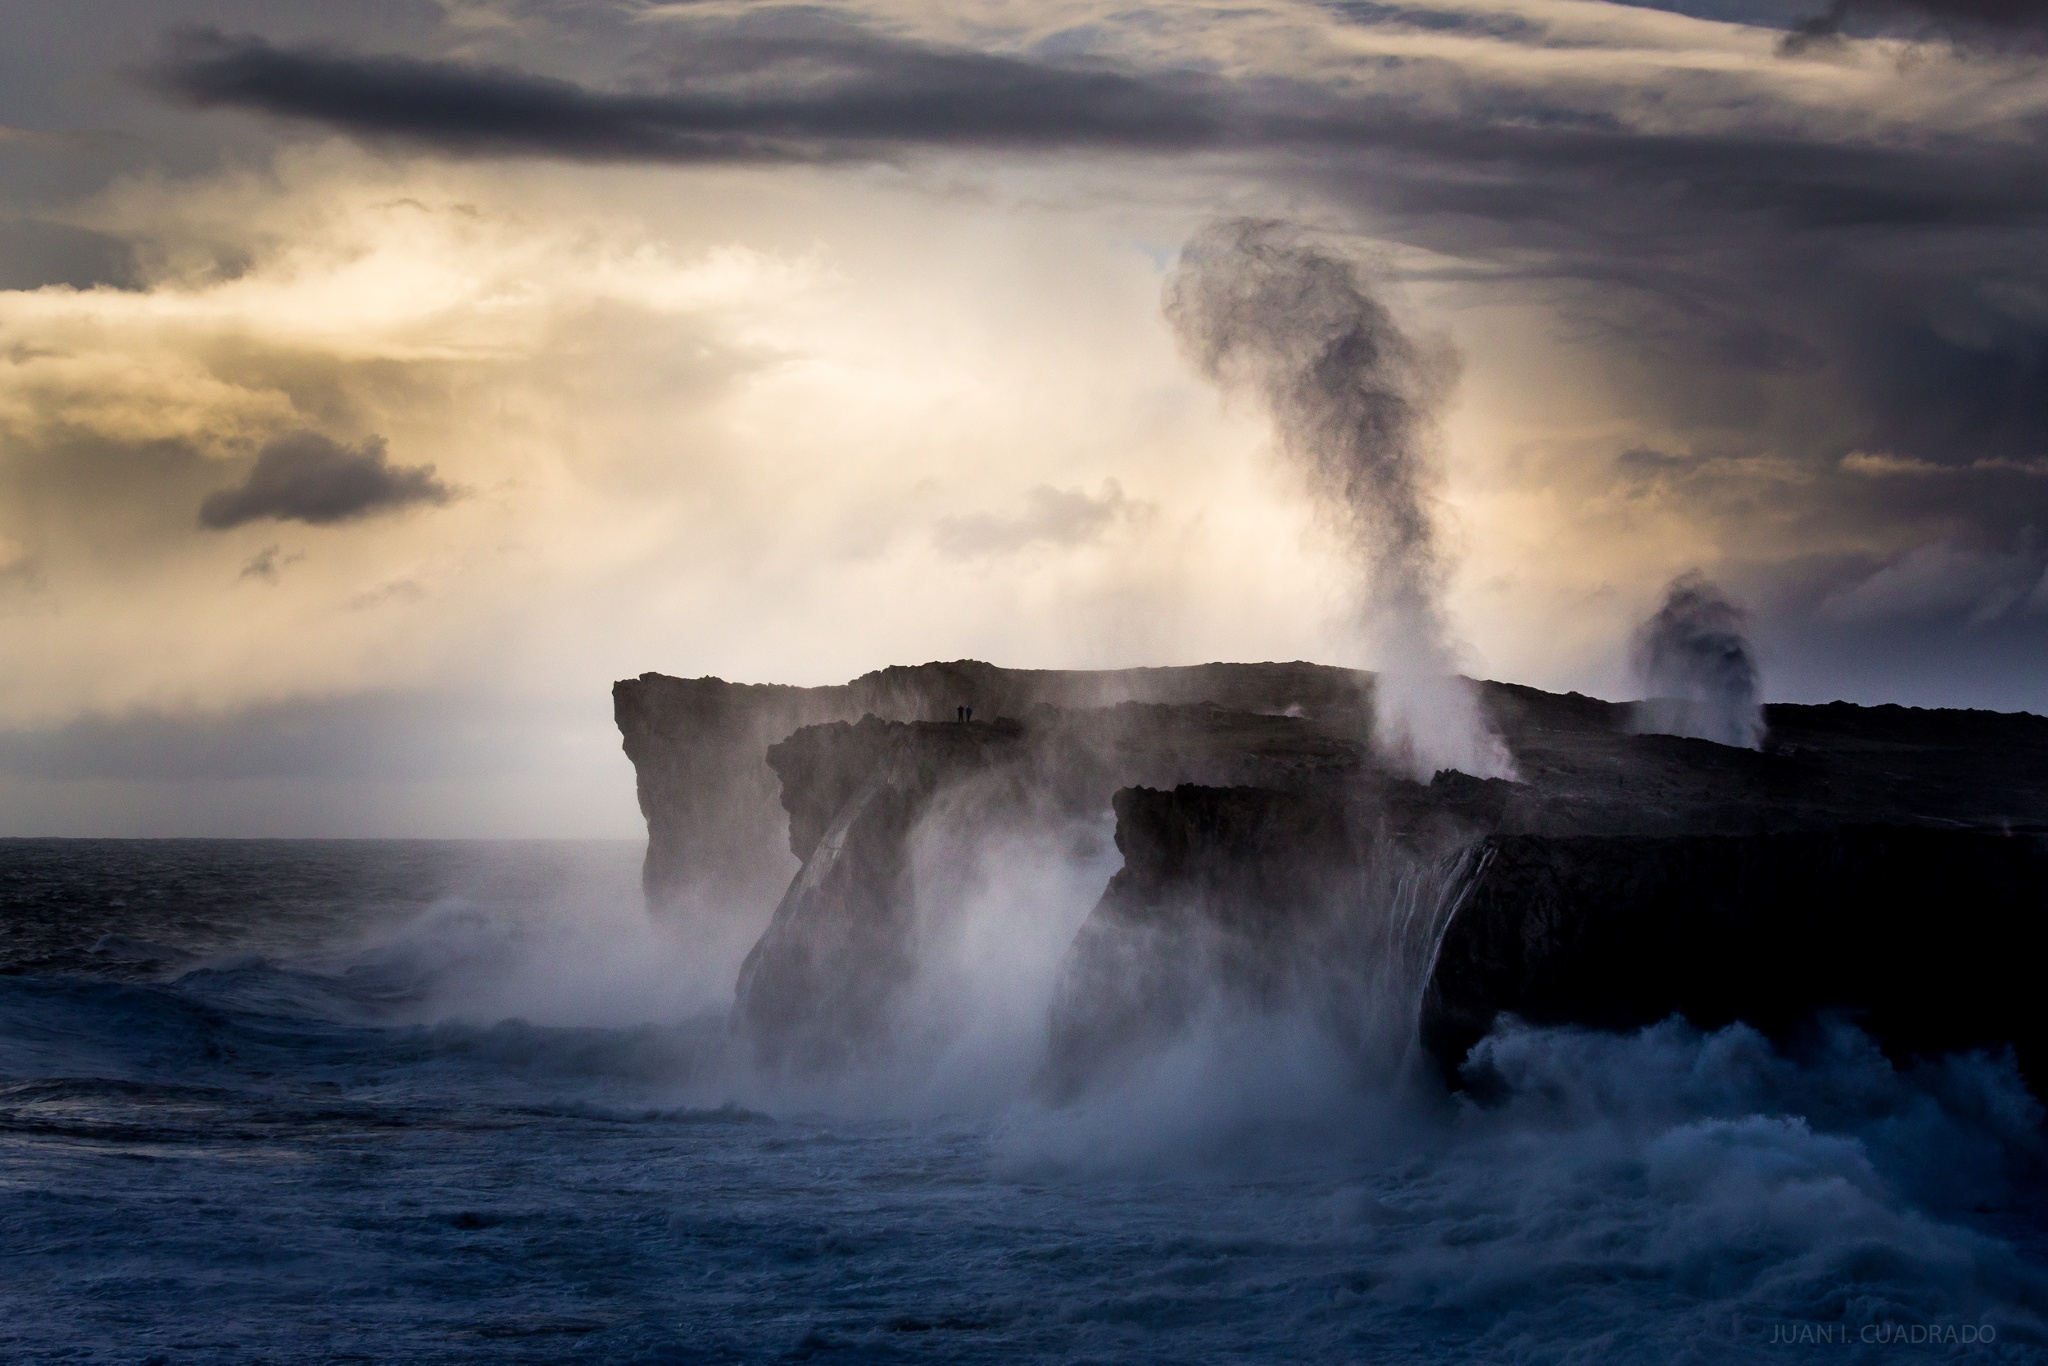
{"points": [[1697, 668], [1338, 946], [486, 1189], [1356, 402]]}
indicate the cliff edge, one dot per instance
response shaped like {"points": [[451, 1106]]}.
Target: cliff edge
{"points": [[1881, 864]]}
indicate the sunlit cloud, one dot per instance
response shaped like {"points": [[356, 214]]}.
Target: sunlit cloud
{"points": [[785, 344]]}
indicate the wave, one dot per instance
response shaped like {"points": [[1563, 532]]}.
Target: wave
{"points": [[1632, 1195]]}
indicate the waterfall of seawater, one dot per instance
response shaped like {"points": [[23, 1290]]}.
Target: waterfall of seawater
{"points": [[1367, 972]]}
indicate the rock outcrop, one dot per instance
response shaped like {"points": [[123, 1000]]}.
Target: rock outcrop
{"points": [[1883, 864], [1929, 939], [817, 988], [1266, 900], [715, 823], [821, 984]]}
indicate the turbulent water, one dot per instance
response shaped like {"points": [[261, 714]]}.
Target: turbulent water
{"points": [[460, 1102]]}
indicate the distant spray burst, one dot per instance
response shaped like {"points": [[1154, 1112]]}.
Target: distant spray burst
{"points": [[1355, 401], [1696, 667]]}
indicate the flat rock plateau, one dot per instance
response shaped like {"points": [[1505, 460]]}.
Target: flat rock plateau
{"points": [[1882, 865]]}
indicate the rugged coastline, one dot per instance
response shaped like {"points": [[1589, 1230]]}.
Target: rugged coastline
{"points": [[1883, 865]]}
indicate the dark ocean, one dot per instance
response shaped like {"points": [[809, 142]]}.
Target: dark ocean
{"points": [[393, 1102]]}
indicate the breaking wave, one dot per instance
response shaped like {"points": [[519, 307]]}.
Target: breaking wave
{"points": [[490, 1114]]}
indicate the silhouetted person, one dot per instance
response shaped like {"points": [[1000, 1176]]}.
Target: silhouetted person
{"points": [[970, 713]]}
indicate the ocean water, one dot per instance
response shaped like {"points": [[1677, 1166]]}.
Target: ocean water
{"points": [[387, 1102]]}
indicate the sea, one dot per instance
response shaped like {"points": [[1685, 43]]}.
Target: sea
{"points": [[371, 1101]]}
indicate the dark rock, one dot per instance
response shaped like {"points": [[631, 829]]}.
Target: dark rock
{"points": [[1929, 939], [716, 841], [818, 988], [1265, 900], [1874, 862], [821, 985]]}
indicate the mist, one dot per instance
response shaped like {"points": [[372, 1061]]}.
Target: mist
{"points": [[564, 988], [1697, 669], [1277, 1096], [1355, 402]]}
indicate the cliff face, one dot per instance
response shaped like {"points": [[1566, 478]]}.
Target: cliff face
{"points": [[818, 987], [823, 983], [1929, 939], [716, 842], [1259, 900], [1878, 863]]}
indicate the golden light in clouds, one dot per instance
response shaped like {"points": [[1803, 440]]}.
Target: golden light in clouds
{"points": [[683, 441], [675, 448], [795, 422]]}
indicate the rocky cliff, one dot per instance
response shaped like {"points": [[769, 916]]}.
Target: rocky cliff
{"points": [[823, 982], [715, 824], [1929, 938], [1324, 900], [1876, 863], [817, 988]]}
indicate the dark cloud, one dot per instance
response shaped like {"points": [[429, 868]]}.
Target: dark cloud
{"points": [[1768, 301], [306, 477], [806, 90], [1953, 390], [1949, 623], [1945, 581], [1566, 176], [1765, 300], [35, 253], [1995, 22], [744, 96], [1896, 282], [1050, 516], [266, 563]]}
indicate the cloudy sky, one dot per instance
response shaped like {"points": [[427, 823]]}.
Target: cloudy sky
{"points": [[379, 382]]}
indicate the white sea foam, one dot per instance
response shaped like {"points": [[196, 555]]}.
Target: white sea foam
{"points": [[1245, 1190]]}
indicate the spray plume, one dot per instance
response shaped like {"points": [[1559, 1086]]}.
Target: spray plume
{"points": [[1698, 673], [1355, 401]]}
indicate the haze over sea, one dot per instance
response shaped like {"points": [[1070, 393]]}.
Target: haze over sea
{"points": [[434, 1101]]}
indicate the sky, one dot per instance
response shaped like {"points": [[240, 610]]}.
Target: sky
{"points": [[380, 382]]}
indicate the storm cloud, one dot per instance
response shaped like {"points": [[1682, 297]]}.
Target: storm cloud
{"points": [[1790, 242], [307, 477], [742, 97], [1889, 270], [1963, 21], [1781, 315], [793, 88]]}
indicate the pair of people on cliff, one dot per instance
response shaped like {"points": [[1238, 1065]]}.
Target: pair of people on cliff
{"points": [[963, 713]]}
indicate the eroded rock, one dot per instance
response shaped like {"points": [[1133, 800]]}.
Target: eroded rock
{"points": [[1880, 863]]}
